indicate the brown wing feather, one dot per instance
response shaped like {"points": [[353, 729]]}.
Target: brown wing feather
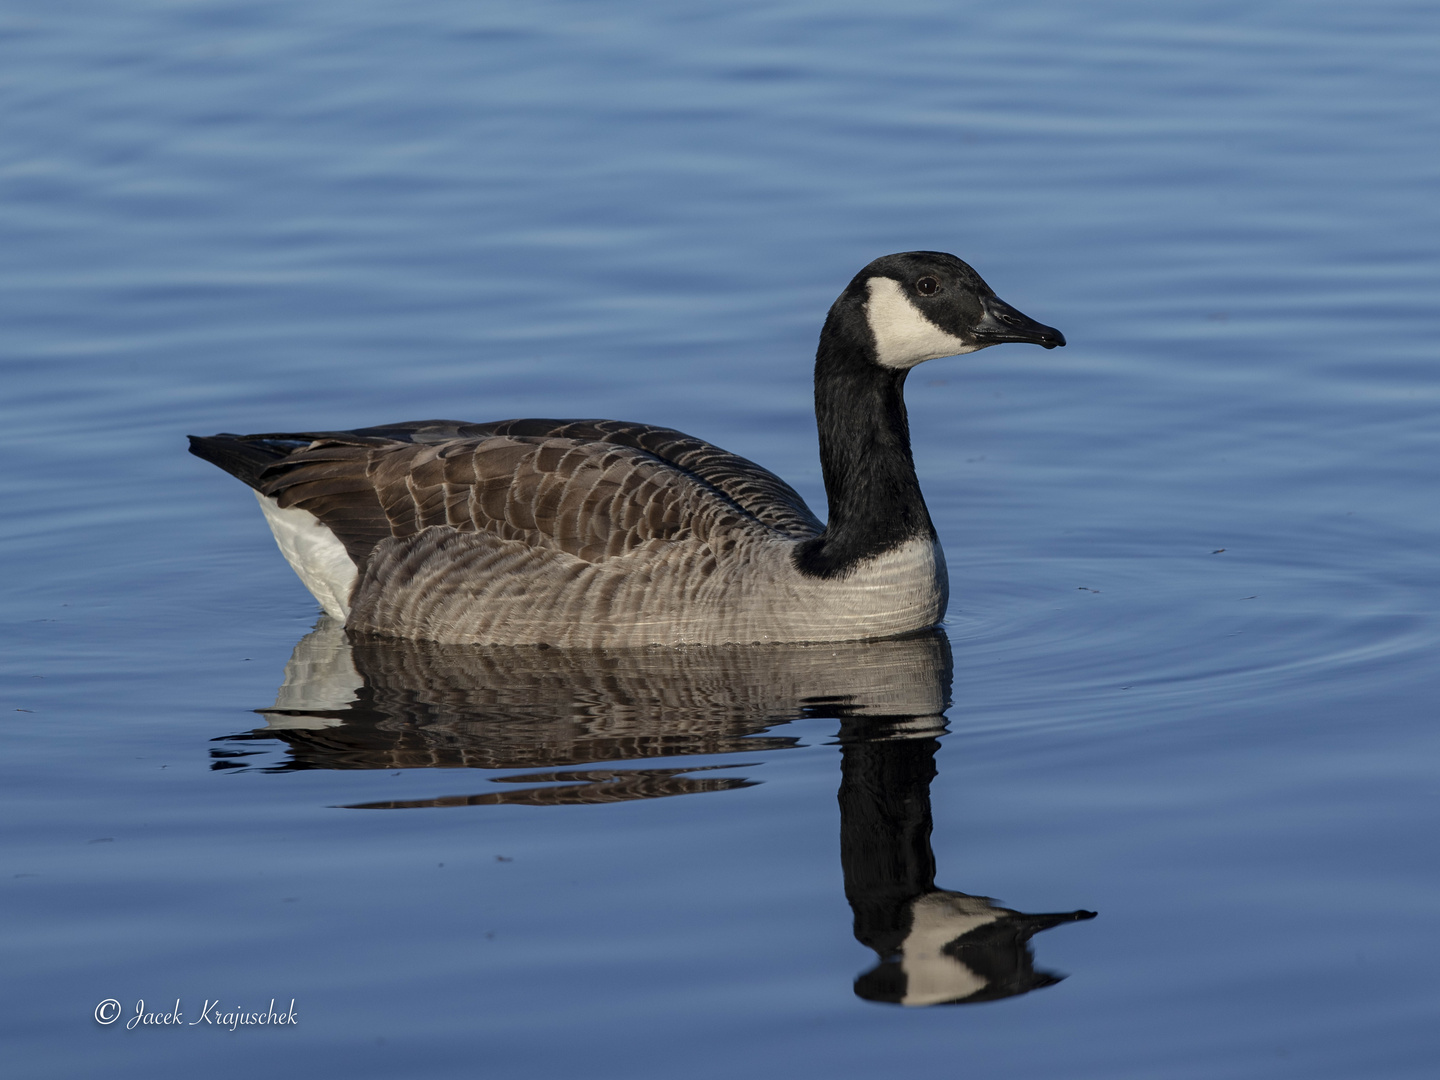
{"points": [[595, 489], [756, 490]]}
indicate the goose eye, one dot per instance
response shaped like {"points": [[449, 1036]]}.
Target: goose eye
{"points": [[926, 286]]}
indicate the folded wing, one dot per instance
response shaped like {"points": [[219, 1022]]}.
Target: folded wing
{"points": [[595, 489]]}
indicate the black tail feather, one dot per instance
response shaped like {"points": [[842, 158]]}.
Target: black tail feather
{"points": [[243, 457]]}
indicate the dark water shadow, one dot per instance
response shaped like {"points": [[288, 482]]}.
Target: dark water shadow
{"points": [[354, 701]]}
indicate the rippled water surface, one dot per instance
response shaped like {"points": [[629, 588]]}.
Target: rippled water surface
{"points": [[1187, 678]]}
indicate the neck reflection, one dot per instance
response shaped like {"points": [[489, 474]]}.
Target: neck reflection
{"points": [[935, 946]]}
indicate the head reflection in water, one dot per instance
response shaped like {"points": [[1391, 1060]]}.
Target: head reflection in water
{"points": [[354, 701], [935, 946]]}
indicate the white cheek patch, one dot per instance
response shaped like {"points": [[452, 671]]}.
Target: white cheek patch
{"points": [[314, 553], [931, 974], [903, 336]]}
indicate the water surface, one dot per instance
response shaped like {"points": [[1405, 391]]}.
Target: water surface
{"points": [[1186, 679]]}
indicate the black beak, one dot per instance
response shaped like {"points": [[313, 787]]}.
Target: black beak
{"points": [[1002, 323]]}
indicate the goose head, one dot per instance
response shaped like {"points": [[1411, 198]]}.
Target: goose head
{"points": [[920, 305]]}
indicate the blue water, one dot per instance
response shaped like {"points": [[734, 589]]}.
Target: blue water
{"points": [[1187, 676]]}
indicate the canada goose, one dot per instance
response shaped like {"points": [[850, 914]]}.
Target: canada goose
{"points": [[608, 533]]}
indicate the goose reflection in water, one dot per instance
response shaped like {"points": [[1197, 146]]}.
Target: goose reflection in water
{"points": [[354, 701]]}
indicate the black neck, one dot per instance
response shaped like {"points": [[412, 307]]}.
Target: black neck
{"points": [[874, 495]]}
